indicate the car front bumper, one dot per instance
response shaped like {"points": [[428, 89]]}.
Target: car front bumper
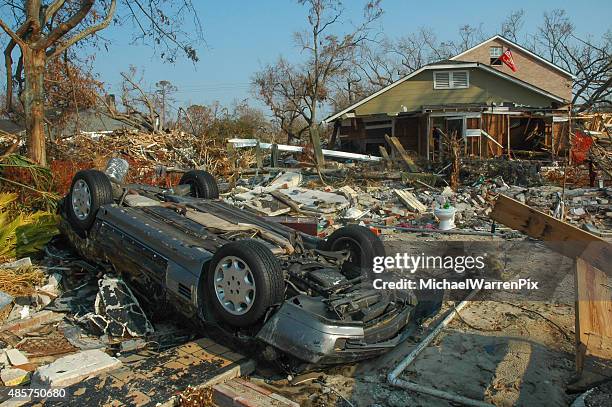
{"points": [[316, 339]]}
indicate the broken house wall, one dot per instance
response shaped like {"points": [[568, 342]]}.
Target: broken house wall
{"points": [[416, 132], [560, 138], [408, 131], [352, 135], [496, 125]]}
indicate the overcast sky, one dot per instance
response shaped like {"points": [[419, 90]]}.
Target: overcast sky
{"points": [[242, 36]]}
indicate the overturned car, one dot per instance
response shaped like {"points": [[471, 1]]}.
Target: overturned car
{"points": [[258, 281]]}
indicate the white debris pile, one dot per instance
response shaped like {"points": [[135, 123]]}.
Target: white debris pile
{"points": [[394, 203]]}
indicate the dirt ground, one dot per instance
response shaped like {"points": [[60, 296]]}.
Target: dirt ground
{"points": [[500, 350]]}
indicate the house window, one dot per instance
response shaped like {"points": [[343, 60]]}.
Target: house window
{"points": [[451, 80], [494, 54]]}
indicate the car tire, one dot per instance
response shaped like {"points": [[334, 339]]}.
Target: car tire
{"points": [[362, 244], [90, 190], [203, 184], [244, 280]]}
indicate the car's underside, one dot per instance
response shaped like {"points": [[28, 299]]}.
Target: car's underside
{"points": [[226, 267]]}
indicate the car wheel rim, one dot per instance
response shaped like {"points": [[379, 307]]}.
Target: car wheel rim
{"points": [[234, 285], [81, 200]]}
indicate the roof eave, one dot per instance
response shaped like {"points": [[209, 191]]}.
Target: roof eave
{"points": [[336, 116]]}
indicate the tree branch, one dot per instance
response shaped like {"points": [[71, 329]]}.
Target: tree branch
{"points": [[86, 32], [64, 28], [12, 34], [53, 9], [8, 64]]}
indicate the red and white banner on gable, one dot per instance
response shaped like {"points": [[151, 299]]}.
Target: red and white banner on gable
{"points": [[507, 59]]}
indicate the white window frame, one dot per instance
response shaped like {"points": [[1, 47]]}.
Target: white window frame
{"points": [[451, 83], [492, 47]]}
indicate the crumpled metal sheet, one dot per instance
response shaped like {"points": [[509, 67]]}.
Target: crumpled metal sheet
{"points": [[117, 311]]}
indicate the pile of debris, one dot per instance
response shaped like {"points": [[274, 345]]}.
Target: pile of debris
{"points": [[57, 314], [293, 197], [146, 151]]}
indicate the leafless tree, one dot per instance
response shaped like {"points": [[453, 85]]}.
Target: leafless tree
{"points": [[512, 26], [43, 30], [468, 37], [555, 29], [589, 60], [140, 109], [283, 89], [297, 91]]}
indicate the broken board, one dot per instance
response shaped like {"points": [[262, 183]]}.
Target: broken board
{"points": [[238, 392], [410, 201], [315, 201], [558, 235], [593, 319], [267, 206], [397, 146], [383, 153], [593, 312]]}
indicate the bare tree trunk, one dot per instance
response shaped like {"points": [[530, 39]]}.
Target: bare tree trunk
{"points": [[34, 105]]}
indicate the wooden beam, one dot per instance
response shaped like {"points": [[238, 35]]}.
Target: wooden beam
{"points": [[593, 314], [273, 155], [397, 146], [258, 156], [385, 156], [410, 201], [508, 122], [558, 235]]}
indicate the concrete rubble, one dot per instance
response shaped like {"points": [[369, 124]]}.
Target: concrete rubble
{"points": [[393, 203], [14, 376], [15, 357], [74, 368]]}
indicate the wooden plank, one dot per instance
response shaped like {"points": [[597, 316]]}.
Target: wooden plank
{"points": [[258, 156], [593, 313], [558, 235], [487, 135], [273, 155], [397, 146], [410, 200], [593, 320], [385, 156]]}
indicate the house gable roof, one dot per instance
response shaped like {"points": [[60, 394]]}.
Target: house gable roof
{"points": [[441, 66], [517, 46]]}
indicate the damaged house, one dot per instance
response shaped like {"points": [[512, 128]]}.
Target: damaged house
{"points": [[498, 97]]}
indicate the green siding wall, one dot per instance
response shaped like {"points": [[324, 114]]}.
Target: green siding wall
{"points": [[485, 88]]}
